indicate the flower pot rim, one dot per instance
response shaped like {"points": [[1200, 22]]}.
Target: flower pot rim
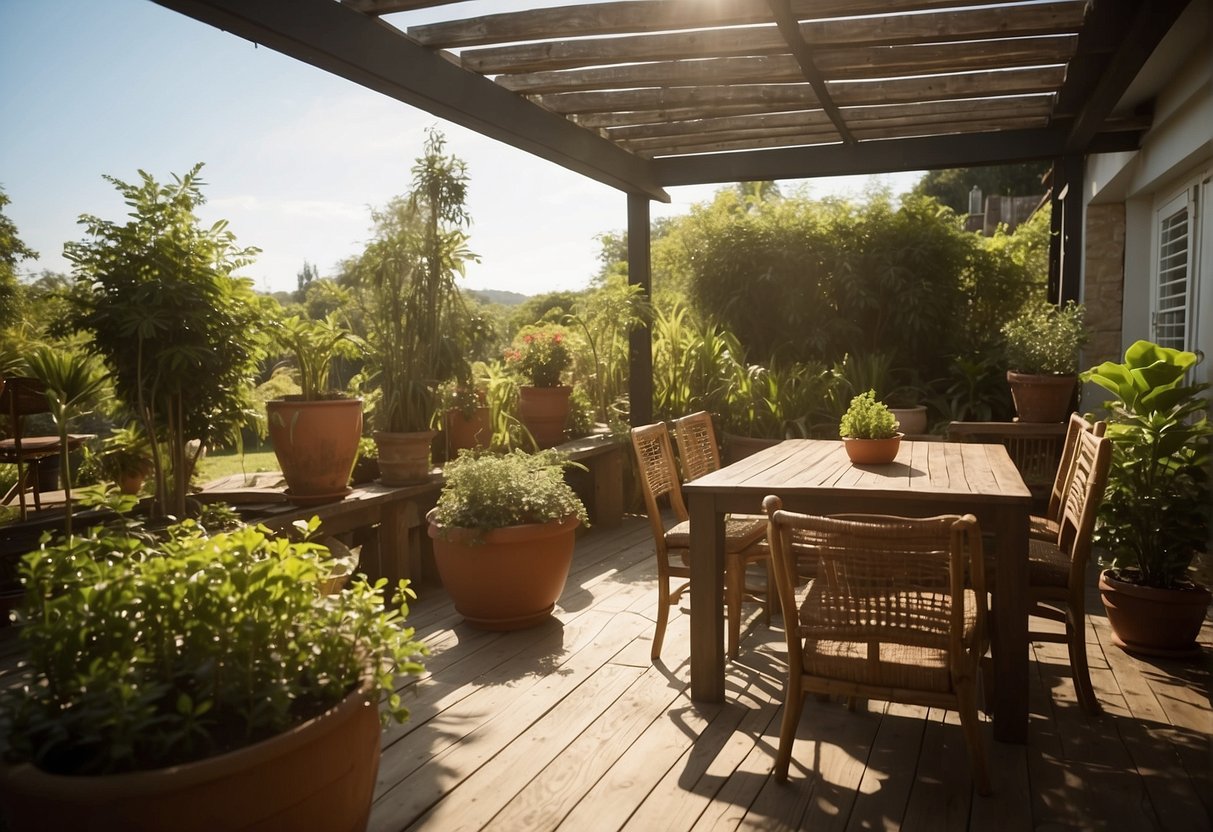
{"points": [[297, 399], [35, 780], [1120, 578], [502, 534], [898, 435]]}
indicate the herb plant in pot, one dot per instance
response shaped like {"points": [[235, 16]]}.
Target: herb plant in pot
{"points": [[315, 434], [197, 683], [1156, 510], [869, 431], [541, 354], [1042, 346], [503, 532], [126, 456]]}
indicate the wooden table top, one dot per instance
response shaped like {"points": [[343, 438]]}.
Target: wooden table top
{"points": [[976, 472]]}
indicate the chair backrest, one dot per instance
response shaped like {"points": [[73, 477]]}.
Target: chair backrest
{"points": [[1035, 448], [881, 578], [1065, 467], [657, 474], [1088, 480], [22, 396], [695, 437]]}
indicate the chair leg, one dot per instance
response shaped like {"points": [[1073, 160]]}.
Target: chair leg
{"points": [[793, 705], [966, 705], [663, 616], [769, 599], [733, 592], [1076, 641]]}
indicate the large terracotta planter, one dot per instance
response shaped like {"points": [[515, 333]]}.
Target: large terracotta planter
{"points": [[1155, 622], [544, 411], [404, 458], [872, 451], [318, 775], [463, 432], [316, 443], [505, 579], [1041, 398]]}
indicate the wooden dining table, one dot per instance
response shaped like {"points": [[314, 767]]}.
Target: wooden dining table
{"points": [[927, 478]]}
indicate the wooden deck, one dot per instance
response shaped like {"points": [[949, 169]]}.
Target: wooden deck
{"points": [[569, 726]]}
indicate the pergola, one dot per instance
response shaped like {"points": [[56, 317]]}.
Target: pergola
{"points": [[647, 94]]}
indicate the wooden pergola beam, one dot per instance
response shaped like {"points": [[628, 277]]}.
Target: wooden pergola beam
{"points": [[369, 52], [789, 27]]}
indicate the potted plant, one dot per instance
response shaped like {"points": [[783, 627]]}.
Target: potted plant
{"points": [[503, 531], [366, 464], [1042, 346], [466, 417], [869, 431], [194, 682], [415, 316], [1156, 509], [541, 355], [315, 433], [126, 456]]}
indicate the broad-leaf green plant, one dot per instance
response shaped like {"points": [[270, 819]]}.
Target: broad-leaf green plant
{"points": [[1156, 510], [144, 654], [313, 346]]}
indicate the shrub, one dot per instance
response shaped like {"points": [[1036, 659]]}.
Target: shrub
{"points": [[867, 418]]}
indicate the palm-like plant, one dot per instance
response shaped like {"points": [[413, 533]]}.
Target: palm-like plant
{"points": [[73, 384]]}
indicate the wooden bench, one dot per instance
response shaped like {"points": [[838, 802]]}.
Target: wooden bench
{"points": [[600, 486]]}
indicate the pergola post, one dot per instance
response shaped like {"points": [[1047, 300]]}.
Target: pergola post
{"points": [[1065, 246], [640, 345]]}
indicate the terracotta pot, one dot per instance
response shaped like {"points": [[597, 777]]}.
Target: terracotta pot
{"points": [[505, 579], [464, 432], [872, 451], [316, 443], [912, 421], [1155, 622], [1042, 398], [131, 482], [318, 775], [544, 411], [404, 458]]}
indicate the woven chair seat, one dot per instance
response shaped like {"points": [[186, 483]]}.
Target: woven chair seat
{"points": [[740, 533], [1047, 564], [1042, 528]]}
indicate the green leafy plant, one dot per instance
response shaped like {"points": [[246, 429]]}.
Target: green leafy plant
{"points": [[126, 452], [490, 491], [144, 655], [314, 344], [541, 354], [1045, 339], [1156, 511], [867, 418]]}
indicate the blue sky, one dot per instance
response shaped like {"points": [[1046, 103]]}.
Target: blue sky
{"points": [[294, 156]]}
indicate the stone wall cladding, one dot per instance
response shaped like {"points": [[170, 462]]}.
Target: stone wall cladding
{"points": [[1103, 281]]}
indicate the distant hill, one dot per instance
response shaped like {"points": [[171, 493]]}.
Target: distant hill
{"points": [[499, 296]]}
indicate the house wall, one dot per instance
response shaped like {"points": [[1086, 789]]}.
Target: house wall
{"points": [[1176, 152]]}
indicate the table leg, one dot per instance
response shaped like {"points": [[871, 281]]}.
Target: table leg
{"points": [[707, 599], [394, 556], [1010, 614]]}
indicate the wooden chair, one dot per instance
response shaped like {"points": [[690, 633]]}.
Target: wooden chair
{"points": [[1045, 526], [1034, 447], [21, 397], [658, 475], [888, 617], [1057, 569]]}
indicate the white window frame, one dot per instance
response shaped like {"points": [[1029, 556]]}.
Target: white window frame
{"points": [[1175, 292]]}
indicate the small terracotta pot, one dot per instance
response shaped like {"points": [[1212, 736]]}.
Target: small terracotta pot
{"points": [[464, 432], [1151, 621], [544, 411], [318, 775], [1041, 398], [404, 458], [509, 578], [872, 451]]}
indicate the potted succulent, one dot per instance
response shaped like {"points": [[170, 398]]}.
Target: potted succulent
{"points": [[315, 433], [193, 682], [1156, 510], [1042, 350], [869, 431], [503, 531], [126, 455], [416, 319], [541, 355]]}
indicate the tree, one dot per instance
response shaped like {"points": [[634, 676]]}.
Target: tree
{"points": [[12, 252], [304, 279], [952, 186], [178, 331]]}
